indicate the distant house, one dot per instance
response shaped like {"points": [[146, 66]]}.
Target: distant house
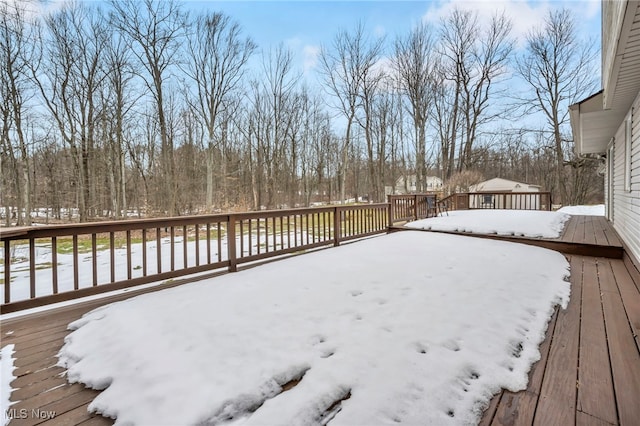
{"points": [[491, 198], [431, 184], [607, 124]]}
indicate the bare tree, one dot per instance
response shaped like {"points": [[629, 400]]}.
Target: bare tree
{"points": [[118, 100], [351, 58], [15, 54], [69, 77], [472, 59], [217, 58], [154, 31], [558, 68], [272, 115], [415, 62]]}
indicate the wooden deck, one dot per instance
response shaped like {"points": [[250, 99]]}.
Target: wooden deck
{"points": [[39, 383], [589, 372], [582, 235]]}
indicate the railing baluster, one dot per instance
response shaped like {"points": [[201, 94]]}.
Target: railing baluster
{"points": [[7, 271], [242, 237], [112, 256], [173, 249], [249, 235], [219, 242], [144, 252], [94, 260], [75, 267], [197, 232], [158, 250], [185, 250], [273, 230], [129, 266], [231, 243], [54, 264], [208, 242], [257, 236]]}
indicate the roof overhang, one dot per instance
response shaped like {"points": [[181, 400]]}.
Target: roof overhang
{"points": [[592, 125]]}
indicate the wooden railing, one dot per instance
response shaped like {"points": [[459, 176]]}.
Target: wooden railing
{"points": [[404, 208], [498, 200], [48, 264], [510, 200]]}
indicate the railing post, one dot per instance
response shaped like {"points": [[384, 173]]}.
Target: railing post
{"points": [[390, 202], [415, 206], [231, 243], [336, 227]]}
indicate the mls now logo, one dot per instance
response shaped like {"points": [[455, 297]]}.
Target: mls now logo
{"points": [[23, 413]]}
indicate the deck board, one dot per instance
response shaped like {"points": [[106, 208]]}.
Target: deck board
{"points": [[624, 355], [595, 388], [556, 405]]}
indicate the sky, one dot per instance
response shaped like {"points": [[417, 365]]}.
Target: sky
{"points": [[306, 25]]}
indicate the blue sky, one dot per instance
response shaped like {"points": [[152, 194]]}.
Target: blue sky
{"points": [[304, 26]]}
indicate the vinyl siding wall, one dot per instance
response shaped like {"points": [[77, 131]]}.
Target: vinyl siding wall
{"points": [[626, 204]]}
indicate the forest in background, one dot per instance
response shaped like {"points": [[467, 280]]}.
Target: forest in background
{"points": [[144, 106]]}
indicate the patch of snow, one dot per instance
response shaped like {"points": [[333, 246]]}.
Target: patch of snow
{"points": [[6, 368], [597, 210], [20, 273], [413, 328], [526, 223]]}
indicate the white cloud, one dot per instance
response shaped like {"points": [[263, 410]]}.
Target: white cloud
{"points": [[37, 8], [310, 55], [380, 31], [524, 15]]}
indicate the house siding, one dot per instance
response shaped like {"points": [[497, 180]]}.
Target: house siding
{"points": [[626, 204]]}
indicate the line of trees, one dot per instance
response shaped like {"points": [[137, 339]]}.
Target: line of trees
{"points": [[145, 107]]}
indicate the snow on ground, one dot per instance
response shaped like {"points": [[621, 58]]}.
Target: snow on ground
{"points": [[6, 368], [597, 210], [416, 328], [20, 284], [527, 223]]}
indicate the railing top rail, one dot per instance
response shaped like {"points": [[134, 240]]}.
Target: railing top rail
{"points": [[410, 195], [362, 206], [160, 222], [108, 226]]}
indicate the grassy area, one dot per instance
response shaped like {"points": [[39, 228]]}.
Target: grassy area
{"points": [[39, 266]]}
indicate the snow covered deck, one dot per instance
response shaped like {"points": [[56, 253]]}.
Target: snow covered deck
{"points": [[584, 235], [589, 371]]}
